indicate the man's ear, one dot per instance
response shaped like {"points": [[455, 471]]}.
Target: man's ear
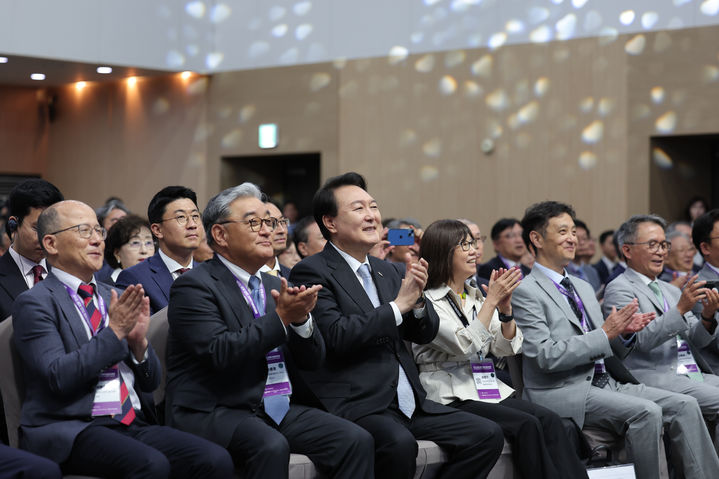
{"points": [[536, 239], [302, 248], [704, 248], [329, 222], [626, 249], [219, 235], [49, 243], [156, 230]]}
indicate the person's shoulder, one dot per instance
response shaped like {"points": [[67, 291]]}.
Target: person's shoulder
{"points": [[316, 263]]}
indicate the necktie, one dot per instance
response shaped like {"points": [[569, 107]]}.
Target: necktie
{"points": [[278, 405], [657, 292], [37, 272], [405, 395], [86, 291], [273, 272], [181, 271], [600, 379]]}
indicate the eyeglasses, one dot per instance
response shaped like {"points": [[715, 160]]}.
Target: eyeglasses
{"points": [[137, 244], [654, 246], [511, 236], [256, 223], [183, 219], [283, 223], [85, 230], [481, 238], [466, 244]]}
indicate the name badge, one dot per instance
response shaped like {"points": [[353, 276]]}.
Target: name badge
{"points": [[107, 393], [485, 380], [599, 367], [278, 381], [686, 365]]}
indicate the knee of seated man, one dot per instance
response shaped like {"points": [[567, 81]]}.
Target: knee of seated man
{"points": [[153, 464], [483, 432], [275, 446], [218, 460], [399, 441], [358, 439]]}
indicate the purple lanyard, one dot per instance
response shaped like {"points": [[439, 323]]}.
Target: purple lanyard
{"points": [[248, 296], [83, 310], [577, 300]]}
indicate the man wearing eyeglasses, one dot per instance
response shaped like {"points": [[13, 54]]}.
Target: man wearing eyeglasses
{"points": [[176, 223], [705, 236], [666, 354], [507, 241], [89, 370], [279, 243], [237, 337]]}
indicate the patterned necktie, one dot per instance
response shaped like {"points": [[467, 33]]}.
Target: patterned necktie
{"points": [[86, 291], [181, 271], [405, 395], [600, 379], [37, 272], [276, 406]]}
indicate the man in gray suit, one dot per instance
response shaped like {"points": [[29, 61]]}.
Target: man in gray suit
{"points": [[705, 236], [666, 353], [569, 364]]}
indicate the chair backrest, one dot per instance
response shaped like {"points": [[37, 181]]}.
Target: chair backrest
{"points": [[157, 336], [11, 381]]}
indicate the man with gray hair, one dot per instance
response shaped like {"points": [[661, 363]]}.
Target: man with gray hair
{"points": [[236, 339], [666, 353]]}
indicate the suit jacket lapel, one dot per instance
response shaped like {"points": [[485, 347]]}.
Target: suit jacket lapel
{"points": [[70, 314], [161, 275], [346, 278], [226, 285], [644, 289], [13, 281], [380, 282], [548, 286]]}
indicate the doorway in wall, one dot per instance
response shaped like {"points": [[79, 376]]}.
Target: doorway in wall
{"points": [[285, 177], [683, 166]]}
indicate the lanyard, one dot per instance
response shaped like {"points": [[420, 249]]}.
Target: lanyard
{"points": [[83, 310], [459, 312], [248, 296]]}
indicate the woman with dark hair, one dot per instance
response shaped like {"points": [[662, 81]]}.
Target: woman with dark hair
{"points": [[696, 206], [454, 368], [128, 242]]}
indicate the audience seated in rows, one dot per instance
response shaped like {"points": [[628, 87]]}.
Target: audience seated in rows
{"points": [[608, 261], [279, 240], [129, 241], [580, 266], [308, 237], [507, 241]]}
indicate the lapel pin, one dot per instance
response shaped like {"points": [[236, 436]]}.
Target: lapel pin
{"points": [[380, 274]]}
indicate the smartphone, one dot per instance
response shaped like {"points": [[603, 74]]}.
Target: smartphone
{"points": [[400, 237], [712, 285]]}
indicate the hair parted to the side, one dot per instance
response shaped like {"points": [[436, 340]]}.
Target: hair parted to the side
{"points": [[218, 208], [156, 208], [324, 202], [537, 216]]}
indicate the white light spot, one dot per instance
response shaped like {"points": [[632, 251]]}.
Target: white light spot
{"points": [[710, 7], [541, 34], [37, 76], [565, 26], [219, 13], [447, 85], [302, 8], [586, 105], [497, 40], [528, 113], [319, 81], [483, 66], [649, 19], [605, 107], [246, 113], [541, 86], [538, 14], [667, 122], [232, 139], [195, 9], [472, 89], [213, 60], [711, 73], [397, 54], [104, 70], [657, 94], [280, 30], [433, 148], [627, 17], [497, 100], [662, 159], [579, 3], [303, 31], [454, 58], [425, 64], [587, 160], [635, 46], [593, 132], [514, 26], [428, 173], [3, 59]]}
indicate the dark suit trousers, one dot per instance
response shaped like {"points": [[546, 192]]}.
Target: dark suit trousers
{"points": [[109, 449], [540, 445], [15, 464], [472, 443], [338, 448]]}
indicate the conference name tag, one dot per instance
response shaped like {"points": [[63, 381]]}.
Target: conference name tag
{"points": [[686, 365], [107, 393], [485, 379], [278, 381], [599, 367]]}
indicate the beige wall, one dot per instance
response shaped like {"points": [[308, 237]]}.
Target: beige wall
{"points": [[23, 131], [570, 121]]}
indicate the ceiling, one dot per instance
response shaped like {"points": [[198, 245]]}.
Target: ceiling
{"points": [[17, 71]]}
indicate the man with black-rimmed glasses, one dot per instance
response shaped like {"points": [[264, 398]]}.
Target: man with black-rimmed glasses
{"points": [[176, 223]]}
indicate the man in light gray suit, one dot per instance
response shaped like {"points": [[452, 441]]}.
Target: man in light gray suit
{"points": [[666, 353], [569, 364], [705, 236]]}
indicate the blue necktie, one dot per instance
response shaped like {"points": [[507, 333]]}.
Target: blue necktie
{"points": [[405, 395], [275, 406]]}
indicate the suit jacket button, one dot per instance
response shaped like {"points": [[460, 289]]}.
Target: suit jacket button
{"points": [[589, 378]]}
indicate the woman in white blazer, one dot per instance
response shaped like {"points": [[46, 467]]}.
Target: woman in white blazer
{"points": [[454, 368]]}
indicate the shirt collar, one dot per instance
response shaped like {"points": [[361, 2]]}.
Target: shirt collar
{"points": [[173, 265], [550, 273], [608, 263], [506, 261], [352, 262], [716, 270], [73, 282], [239, 273], [435, 294], [267, 269], [25, 265], [645, 279]]}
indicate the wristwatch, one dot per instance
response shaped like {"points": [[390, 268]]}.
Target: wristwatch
{"points": [[505, 318]]}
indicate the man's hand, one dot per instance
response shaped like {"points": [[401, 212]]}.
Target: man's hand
{"points": [[678, 281], [639, 321], [383, 248], [618, 321], [413, 284], [693, 292], [295, 303], [711, 303], [125, 310]]}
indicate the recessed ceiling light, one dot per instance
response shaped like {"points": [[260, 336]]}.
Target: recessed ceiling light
{"points": [[104, 70], [3, 59], [186, 75], [37, 76], [132, 81], [80, 85]]}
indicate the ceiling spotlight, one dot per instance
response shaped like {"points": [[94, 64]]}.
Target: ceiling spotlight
{"points": [[132, 81], [186, 75], [104, 70], [37, 76], [3, 59], [80, 85]]}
